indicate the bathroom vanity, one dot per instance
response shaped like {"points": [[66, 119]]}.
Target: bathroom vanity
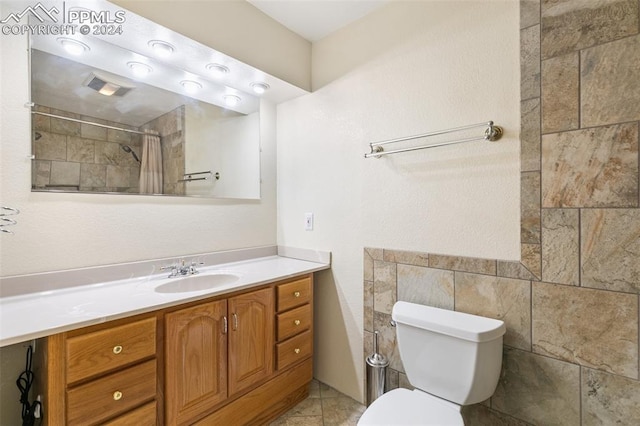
{"points": [[238, 354], [239, 358]]}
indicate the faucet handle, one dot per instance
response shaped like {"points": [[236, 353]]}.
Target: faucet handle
{"points": [[192, 267], [174, 269]]}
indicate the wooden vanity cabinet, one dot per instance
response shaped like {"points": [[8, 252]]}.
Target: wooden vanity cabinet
{"points": [[239, 359], [103, 374], [196, 360], [294, 320], [215, 350], [250, 339]]}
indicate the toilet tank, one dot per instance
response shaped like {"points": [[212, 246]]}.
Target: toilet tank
{"points": [[451, 355]]}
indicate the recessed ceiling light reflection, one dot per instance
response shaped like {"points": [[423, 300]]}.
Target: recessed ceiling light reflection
{"points": [[139, 69], [218, 69], [260, 88], [73, 47], [231, 100], [162, 48], [191, 86]]}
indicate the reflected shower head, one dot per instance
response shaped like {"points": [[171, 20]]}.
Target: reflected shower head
{"points": [[127, 148]]}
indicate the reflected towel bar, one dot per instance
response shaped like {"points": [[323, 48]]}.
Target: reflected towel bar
{"points": [[492, 133], [188, 177]]}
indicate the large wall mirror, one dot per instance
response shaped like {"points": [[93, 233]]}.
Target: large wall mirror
{"points": [[144, 110]]}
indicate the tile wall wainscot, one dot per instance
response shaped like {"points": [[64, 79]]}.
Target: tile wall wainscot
{"points": [[571, 306]]}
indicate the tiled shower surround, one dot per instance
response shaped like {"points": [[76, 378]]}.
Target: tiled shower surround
{"points": [[171, 127], [571, 306], [74, 156]]}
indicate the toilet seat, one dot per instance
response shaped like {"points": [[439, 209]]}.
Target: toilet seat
{"points": [[405, 407]]}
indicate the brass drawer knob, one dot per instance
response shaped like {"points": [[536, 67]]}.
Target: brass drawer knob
{"points": [[297, 322], [117, 349], [297, 350], [296, 294], [117, 396]]}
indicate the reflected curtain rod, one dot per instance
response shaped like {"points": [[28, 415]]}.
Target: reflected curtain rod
{"points": [[154, 133]]}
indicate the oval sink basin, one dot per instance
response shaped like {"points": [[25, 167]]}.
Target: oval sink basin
{"points": [[197, 283]]}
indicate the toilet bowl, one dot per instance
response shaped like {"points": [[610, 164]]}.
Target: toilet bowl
{"points": [[411, 407], [451, 358]]}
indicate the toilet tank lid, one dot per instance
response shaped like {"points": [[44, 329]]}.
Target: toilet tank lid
{"points": [[457, 324]]}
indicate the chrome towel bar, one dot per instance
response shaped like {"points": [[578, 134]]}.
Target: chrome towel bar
{"points": [[491, 133]]}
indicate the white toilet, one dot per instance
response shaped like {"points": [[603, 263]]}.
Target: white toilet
{"points": [[451, 358]]}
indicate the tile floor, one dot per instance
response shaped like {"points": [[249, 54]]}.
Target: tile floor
{"points": [[325, 406]]}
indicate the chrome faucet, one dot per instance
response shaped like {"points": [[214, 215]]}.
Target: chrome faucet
{"points": [[181, 269]]}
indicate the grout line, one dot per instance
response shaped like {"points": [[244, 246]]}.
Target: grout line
{"points": [[579, 247], [454, 293], [579, 89], [531, 316], [580, 374]]}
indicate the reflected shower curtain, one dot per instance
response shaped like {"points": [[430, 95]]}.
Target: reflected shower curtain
{"points": [[151, 165]]}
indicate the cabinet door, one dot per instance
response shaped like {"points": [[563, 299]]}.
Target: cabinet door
{"points": [[251, 341], [196, 361]]}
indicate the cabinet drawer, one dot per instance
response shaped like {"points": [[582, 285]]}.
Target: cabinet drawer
{"points": [[294, 321], [143, 416], [111, 395], [293, 350], [101, 351], [294, 294]]}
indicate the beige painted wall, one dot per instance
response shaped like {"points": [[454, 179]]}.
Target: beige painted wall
{"points": [[408, 68], [236, 28]]}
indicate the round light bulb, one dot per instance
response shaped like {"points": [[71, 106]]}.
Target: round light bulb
{"points": [[162, 48], [260, 88], [139, 69], [231, 100], [218, 69], [73, 47], [191, 86]]}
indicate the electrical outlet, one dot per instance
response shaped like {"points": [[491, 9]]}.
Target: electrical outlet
{"points": [[308, 221]]}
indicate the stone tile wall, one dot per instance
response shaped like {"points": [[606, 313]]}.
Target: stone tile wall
{"points": [[571, 352], [171, 127], [74, 156]]}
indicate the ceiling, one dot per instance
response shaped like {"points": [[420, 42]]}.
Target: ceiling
{"points": [[315, 19]]}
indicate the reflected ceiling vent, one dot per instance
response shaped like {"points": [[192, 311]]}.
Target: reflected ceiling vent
{"points": [[108, 85]]}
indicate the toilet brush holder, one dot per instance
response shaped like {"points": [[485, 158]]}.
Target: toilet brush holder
{"points": [[376, 372]]}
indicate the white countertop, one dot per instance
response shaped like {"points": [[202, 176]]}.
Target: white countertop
{"points": [[35, 315]]}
